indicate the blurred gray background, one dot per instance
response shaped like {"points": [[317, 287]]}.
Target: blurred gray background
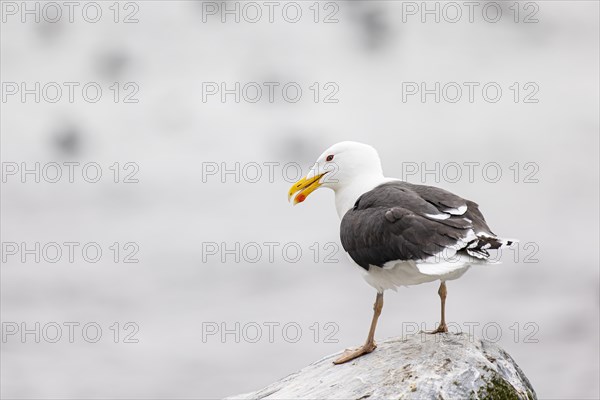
{"points": [[548, 293]]}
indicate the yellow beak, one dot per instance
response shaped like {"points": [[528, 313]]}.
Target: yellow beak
{"points": [[305, 187]]}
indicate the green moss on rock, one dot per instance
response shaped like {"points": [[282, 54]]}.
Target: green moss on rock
{"points": [[498, 388]]}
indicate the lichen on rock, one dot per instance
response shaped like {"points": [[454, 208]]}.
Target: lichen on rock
{"points": [[443, 366]]}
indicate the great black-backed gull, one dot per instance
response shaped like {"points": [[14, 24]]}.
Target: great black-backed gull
{"points": [[399, 233]]}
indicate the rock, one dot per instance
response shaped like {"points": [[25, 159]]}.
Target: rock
{"points": [[421, 366]]}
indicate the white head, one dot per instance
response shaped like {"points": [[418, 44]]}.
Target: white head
{"points": [[339, 167]]}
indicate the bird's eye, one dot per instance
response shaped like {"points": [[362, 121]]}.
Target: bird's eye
{"points": [[329, 157]]}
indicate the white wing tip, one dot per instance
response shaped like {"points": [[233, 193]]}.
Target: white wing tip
{"points": [[457, 211], [437, 216]]}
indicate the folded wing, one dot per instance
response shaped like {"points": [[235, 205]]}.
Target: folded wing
{"points": [[402, 221]]}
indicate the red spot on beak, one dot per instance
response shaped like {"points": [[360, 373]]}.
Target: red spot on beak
{"points": [[300, 198]]}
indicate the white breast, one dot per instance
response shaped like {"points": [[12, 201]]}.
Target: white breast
{"points": [[406, 273]]}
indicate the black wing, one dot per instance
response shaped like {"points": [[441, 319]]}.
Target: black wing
{"points": [[403, 221]]}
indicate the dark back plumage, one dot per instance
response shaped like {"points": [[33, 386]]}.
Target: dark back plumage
{"points": [[403, 221]]}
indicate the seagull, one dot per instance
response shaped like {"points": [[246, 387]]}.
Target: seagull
{"points": [[398, 233]]}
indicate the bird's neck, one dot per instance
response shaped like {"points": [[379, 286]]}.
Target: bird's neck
{"points": [[346, 196]]}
